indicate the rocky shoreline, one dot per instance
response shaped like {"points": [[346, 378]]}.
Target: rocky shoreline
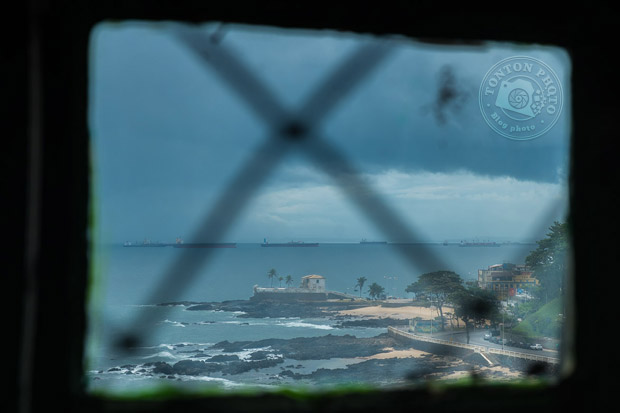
{"points": [[377, 360], [380, 360], [269, 353], [373, 361], [301, 309]]}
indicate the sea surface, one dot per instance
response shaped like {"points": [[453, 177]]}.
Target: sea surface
{"points": [[128, 283]]}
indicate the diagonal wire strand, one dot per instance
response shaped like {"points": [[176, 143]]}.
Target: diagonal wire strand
{"points": [[344, 79], [233, 71], [340, 82], [244, 185], [372, 204], [185, 267]]}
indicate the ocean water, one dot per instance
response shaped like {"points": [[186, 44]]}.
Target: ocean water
{"points": [[126, 281]]}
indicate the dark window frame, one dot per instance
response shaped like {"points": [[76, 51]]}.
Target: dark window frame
{"points": [[47, 83]]}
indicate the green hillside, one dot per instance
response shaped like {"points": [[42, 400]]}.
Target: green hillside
{"points": [[543, 323]]}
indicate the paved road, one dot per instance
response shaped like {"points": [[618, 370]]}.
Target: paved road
{"points": [[477, 338]]}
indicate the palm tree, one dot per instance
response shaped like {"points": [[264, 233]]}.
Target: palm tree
{"points": [[281, 278], [288, 280], [360, 284], [375, 291], [271, 275]]}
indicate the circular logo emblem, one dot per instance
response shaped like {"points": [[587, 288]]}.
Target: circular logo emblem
{"points": [[521, 98]]}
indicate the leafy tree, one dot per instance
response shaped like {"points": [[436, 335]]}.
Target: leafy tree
{"points": [[549, 261], [281, 278], [360, 284], [288, 280], [439, 286], [271, 275], [474, 305], [375, 291], [414, 288]]}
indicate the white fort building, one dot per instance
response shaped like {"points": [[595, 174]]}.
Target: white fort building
{"points": [[312, 288]]}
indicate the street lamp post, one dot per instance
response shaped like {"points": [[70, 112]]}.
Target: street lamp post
{"points": [[502, 329], [431, 318]]}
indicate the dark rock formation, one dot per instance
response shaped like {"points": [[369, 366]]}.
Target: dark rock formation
{"points": [[274, 308], [200, 368], [162, 368], [316, 348], [380, 372], [222, 358]]}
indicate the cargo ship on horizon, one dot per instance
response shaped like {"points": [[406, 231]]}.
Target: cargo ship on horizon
{"points": [[289, 244], [364, 241], [181, 244], [145, 243], [478, 244]]}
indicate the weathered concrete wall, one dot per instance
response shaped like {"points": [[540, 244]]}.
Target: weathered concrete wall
{"points": [[290, 296], [528, 366], [434, 348], [298, 296]]}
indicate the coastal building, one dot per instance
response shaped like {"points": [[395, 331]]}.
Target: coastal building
{"points": [[506, 280], [313, 282]]}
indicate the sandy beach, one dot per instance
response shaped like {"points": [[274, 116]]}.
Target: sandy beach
{"points": [[391, 353], [399, 313], [495, 372]]}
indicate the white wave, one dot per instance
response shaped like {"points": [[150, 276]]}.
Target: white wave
{"points": [[307, 325], [224, 382], [245, 354], [284, 322], [174, 323], [168, 346], [176, 345], [187, 344], [162, 354], [248, 323], [228, 384], [184, 344], [245, 323]]}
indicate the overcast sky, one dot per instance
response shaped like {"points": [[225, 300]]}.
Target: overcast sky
{"points": [[168, 134]]}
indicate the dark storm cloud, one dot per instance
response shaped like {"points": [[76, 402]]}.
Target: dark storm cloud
{"points": [[168, 133]]}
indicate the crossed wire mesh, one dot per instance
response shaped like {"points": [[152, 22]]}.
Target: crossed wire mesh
{"points": [[290, 131]]}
